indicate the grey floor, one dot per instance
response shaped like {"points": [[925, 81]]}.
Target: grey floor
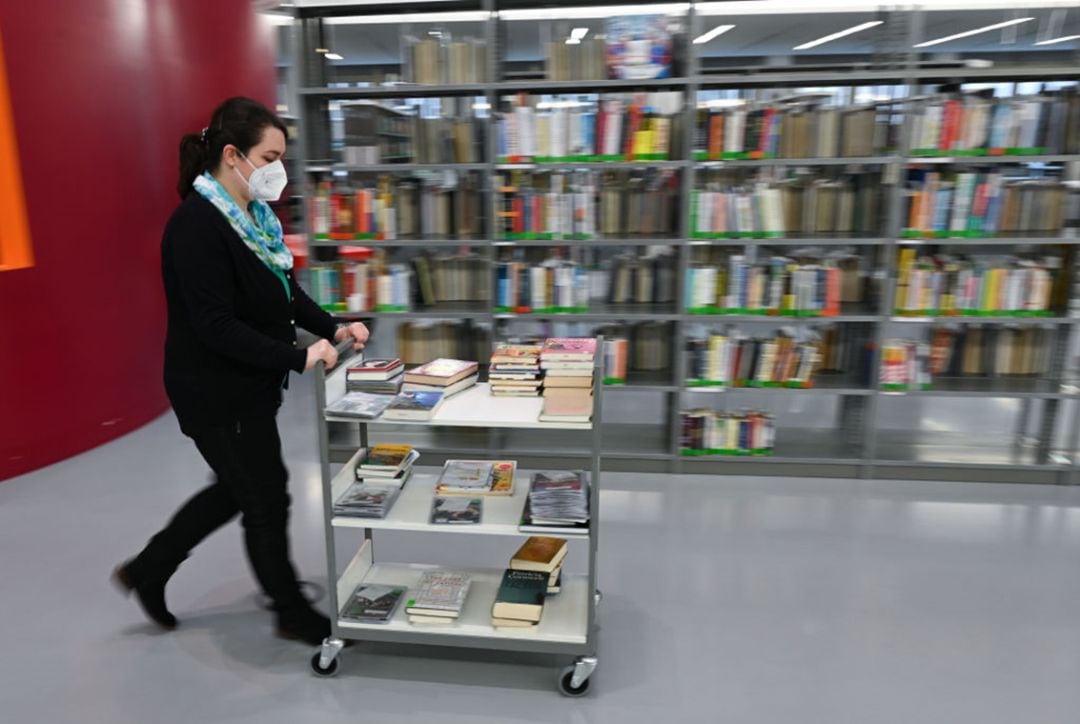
{"points": [[726, 600]]}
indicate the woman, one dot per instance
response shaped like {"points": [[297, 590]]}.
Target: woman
{"points": [[233, 305]]}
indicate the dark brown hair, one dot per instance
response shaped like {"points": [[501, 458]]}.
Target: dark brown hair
{"points": [[238, 121]]}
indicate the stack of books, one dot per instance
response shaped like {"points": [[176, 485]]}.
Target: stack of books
{"points": [[568, 375], [477, 477], [557, 500], [360, 405], [378, 376], [367, 500], [373, 603], [439, 598], [387, 463], [534, 574], [448, 376], [515, 370]]}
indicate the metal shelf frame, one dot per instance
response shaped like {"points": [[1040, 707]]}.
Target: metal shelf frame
{"points": [[862, 413]]}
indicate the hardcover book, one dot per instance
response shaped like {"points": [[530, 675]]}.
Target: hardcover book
{"points": [[568, 349], [540, 553], [388, 459], [465, 476], [442, 372], [521, 595], [414, 406], [361, 405], [439, 593], [374, 369]]}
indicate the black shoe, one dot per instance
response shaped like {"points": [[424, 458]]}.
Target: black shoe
{"points": [[302, 623], [150, 595]]}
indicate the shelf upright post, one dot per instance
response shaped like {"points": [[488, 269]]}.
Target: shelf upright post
{"points": [[893, 224], [491, 30], [594, 486], [678, 356], [328, 499]]}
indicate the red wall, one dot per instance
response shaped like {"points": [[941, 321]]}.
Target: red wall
{"points": [[102, 91]]}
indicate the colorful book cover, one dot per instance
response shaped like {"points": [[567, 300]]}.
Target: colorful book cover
{"points": [[373, 603], [456, 511], [442, 368], [569, 348]]}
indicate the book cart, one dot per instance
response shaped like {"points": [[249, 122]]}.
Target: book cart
{"points": [[569, 625]]}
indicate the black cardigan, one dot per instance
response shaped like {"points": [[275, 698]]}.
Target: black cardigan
{"points": [[231, 337]]}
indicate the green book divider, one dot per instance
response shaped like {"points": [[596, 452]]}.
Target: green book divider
{"points": [[365, 236], [693, 453], [761, 451], [894, 386], [614, 381], [772, 385], [701, 155], [1028, 151], [504, 310], [322, 237], [705, 383], [390, 308], [968, 152]]}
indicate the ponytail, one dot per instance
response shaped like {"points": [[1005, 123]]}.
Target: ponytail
{"points": [[194, 155], [239, 122]]}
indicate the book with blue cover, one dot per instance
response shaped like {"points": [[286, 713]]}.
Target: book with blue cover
{"points": [[414, 405]]}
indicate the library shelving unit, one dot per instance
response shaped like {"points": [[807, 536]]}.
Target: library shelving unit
{"points": [[569, 624], [1043, 446]]}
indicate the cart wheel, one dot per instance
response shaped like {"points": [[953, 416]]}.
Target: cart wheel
{"points": [[329, 671], [565, 683]]}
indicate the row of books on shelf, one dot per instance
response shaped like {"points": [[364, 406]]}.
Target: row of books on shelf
{"points": [[972, 204], [373, 138], [971, 351], [800, 129], [561, 285], [731, 358], [779, 286], [708, 432], [587, 204], [381, 388], [444, 59], [634, 128], [1048, 123], [729, 206], [399, 208], [554, 499], [943, 284], [440, 596]]}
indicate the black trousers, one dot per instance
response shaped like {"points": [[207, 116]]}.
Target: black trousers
{"points": [[251, 480]]}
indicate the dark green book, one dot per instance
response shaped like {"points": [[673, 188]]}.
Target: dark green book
{"points": [[521, 595]]}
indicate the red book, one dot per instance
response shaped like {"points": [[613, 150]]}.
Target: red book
{"points": [[950, 125], [601, 128], [832, 292], [766, 129], [519, 215], [634, 117]]}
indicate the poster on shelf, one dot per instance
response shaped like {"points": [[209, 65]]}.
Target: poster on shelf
{"points": [[638, 47]]}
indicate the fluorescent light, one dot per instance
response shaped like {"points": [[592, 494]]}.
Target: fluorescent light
{"points": [[465, 16], [579, 33], [609, 11], [801, 7], [321, 51], [1058, 40], [715, 32], [334, 56], [976, 31], [839, 34], [573, 41]]}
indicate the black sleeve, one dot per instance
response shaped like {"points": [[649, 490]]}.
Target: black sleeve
{"points": [[203, 272], [310, 315]]}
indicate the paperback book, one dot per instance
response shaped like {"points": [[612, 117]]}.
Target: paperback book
{"points": [[457, 511], [414, 406], [361, 405], [373, 603]]}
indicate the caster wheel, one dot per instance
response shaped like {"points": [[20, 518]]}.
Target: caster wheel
{"points": [[329, 671], [565, 678]]}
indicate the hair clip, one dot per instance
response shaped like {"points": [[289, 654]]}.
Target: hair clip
{"points": [[203, 135]]}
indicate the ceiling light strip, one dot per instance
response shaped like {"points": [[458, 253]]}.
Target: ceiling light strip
{"points": [[976, 31], [839, 34]]}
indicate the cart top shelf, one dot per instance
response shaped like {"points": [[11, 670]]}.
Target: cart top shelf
{"points": [[475, 407]]}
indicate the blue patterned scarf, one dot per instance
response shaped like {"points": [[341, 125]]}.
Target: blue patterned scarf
{"points": [[263, 236]]}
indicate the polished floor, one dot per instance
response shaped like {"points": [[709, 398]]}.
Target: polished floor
{"points": [[726, 600]]}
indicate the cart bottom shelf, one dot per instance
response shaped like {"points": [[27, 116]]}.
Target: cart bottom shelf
{"points": [[564, 622]]}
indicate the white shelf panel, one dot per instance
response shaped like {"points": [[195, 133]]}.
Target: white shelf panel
{"points": [[565, 619], [412, 510], [475, 407]]}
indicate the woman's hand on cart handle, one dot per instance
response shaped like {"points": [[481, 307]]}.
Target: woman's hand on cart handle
{"points": [[321, 351], [356, 331]]}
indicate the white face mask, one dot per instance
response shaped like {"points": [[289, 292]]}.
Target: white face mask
{"points": [[266, 182]]}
